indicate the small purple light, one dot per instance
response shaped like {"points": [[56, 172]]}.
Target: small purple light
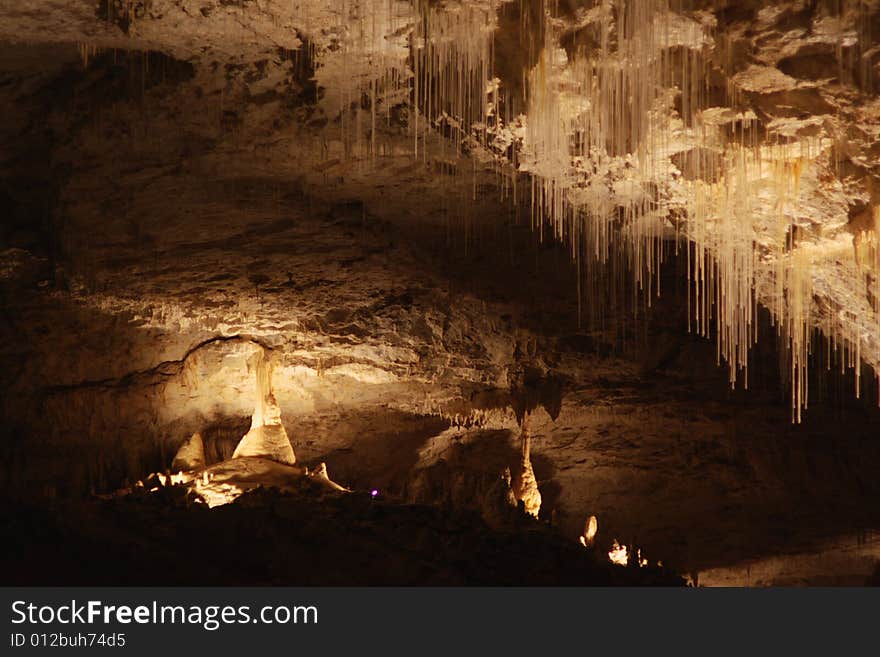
{"points": [[374, 492]]}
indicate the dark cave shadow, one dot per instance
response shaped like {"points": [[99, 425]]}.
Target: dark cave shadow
{"points": [[221, 437], [474, 462], [383, 453]]}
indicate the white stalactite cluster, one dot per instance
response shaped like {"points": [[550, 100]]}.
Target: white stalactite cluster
{"points": [[599, 139]]}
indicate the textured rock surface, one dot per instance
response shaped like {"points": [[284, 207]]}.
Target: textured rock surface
{"points": [[191, 455]]}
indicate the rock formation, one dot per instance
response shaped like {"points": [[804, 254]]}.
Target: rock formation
{"points": [[320, 474], [588, 537], [191, 455], [267, 437], [525, 485]]}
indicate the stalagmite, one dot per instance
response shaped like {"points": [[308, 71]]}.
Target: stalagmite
{"points": [[191, 454], [588, 538], [525, 485], [266, 437]]}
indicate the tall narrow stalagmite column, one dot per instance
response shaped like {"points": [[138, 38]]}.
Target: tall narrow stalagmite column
{"points": [[266, 437], [525, 485]]}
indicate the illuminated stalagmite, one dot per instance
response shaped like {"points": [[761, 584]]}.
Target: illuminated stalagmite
{"points": [[525, 485], [266, 437], [591, 527]]}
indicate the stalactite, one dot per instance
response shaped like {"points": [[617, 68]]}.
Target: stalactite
{"points": [[605, 112], [87, 52], [604, 117]]}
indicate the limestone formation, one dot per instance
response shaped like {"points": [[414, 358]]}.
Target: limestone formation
{"points": [[191, 455], [267, 437], [525, 485], [588, 538]]}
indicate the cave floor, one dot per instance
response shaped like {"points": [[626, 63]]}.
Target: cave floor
{"points": [[271, 538]]}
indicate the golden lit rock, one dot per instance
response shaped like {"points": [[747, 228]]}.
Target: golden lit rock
{"points": [[588, 537], [267, 437], [525, 486]]}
